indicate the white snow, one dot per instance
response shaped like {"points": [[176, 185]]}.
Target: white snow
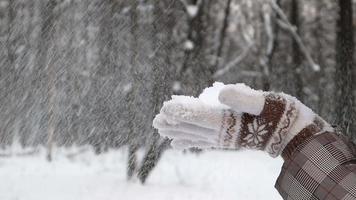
{"points": [[127, 88], [210, 95], [192, 10], [204, 111], [210, 175], [177, 86], [188, 45]]}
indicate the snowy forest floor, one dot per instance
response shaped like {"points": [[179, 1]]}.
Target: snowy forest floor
{"points": [[72, 176]]}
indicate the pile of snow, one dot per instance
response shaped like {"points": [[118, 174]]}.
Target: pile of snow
{"points": [[77, 175], [210, 95]]}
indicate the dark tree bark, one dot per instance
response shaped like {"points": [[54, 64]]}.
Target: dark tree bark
{"points": [[132, 161], [6, 99], [266, 78], [152, 156], [108, 74], [132, 164], [344, 76], [46, 32], [44, 65], [222, 35], [321, 39], [10, 45], [162, 70], [296, 55], [196, 72]]}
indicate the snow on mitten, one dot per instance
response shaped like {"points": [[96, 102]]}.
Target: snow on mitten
{"points": [[254, 119], [189, 122]]}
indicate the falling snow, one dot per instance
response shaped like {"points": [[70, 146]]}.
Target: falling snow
{"points": [[81, 81]]}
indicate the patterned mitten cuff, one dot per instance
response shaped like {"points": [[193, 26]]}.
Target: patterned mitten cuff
{"points": [[267, 131]]}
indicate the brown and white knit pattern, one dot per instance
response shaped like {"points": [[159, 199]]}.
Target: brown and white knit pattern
{"points": [[278, 141], [230, 128], [256, 131], [263, 132]]}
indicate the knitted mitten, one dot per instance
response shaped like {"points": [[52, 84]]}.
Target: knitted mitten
{"points": [[252, 119]]}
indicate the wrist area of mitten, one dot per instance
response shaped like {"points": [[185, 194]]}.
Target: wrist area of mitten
{"points": [[307, 124], [317, 127], [266, 131]]}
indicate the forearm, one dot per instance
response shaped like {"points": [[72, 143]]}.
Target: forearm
{"points": [[321, 167]]}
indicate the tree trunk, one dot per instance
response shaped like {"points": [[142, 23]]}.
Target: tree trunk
{"points": [[267, 78], [197, 71], [132, 164], [222, 35], [162, 70], [296, 55], [9, 84], [132, 161], [46, 34], [152, 156], [344, 76]]}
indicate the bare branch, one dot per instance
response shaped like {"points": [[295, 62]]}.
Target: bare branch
{"points": [[251, 73], [289, 27], [270, 44], [269, 32], [233, 63], [283, 25]]}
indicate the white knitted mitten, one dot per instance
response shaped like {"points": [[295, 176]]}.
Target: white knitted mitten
{"points": [[253, 119]]}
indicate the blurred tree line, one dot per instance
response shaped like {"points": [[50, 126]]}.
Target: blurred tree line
{"points": [[76, 72]]}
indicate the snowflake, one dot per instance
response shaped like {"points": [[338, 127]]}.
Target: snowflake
{"points": [[256, 133]]}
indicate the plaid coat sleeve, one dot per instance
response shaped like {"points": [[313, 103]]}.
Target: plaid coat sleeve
{"points": [[322, 167]]}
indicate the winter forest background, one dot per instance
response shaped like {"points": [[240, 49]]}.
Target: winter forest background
{"points": [[79, 72]]}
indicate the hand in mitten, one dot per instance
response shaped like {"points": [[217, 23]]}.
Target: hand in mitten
{"points": [[252, 119]]}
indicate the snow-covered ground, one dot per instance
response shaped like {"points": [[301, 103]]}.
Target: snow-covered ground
{"points": [[209, 175]]}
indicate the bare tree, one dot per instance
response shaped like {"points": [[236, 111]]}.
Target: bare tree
{"points": [[197, 71], [162, 75], [45, 63], [132, 164], [344, 76], [9, 80]]}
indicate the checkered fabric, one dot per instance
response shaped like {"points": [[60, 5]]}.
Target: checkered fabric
{"points": [[322, 167]]}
